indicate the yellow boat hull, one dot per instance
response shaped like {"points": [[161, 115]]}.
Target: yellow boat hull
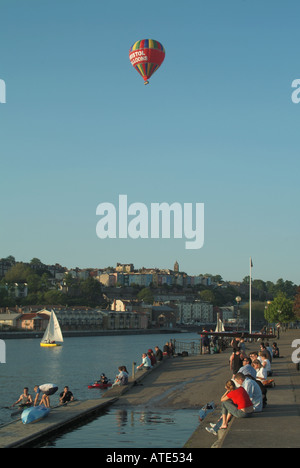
{"points": [[45, 345]]}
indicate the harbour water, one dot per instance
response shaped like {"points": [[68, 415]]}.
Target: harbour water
{"points": [[78, 363]]}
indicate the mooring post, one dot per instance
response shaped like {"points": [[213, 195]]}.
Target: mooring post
{"points": [[133, 370]]}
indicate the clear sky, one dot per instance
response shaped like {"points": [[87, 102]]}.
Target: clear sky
{"points": [[216, 125]]}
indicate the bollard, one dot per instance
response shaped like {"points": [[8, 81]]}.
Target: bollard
{"points": [[133, 370]]}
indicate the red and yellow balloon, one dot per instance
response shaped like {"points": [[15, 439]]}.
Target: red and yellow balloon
{"points": [[146, 56]]}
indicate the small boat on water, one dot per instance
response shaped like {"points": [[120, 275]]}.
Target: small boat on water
{"points": [[34, 414], [100, 386], [53, 336]]}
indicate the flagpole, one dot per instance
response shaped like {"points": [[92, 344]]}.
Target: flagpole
{"points": [[250, 297]]}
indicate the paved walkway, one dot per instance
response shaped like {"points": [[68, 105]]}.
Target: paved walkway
{"points": [[192, 382], [278, 426]]}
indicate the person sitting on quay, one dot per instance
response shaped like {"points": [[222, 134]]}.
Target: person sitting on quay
{"points": [[253, 389], [166, 350], [261, 372], [235, 403], [25, 399], [122, 377], [254, 356], [158, 354], [276, 352], [266, 363], [171, 348], [152, 357], [261, 377], [66, 396], [268, 347], [146, 363], [263, 349], [247, 368]]}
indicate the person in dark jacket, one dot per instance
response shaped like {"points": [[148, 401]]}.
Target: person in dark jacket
{"points": [[158, 354]]}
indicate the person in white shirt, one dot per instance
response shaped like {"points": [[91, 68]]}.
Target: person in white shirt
{"points": [[47, 390], [266, 363], [253, 390], [146, 364], [122, 377], [261, 372]]}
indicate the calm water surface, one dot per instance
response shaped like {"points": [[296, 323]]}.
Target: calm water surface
{"points": [[135, 428], [78, 363]]}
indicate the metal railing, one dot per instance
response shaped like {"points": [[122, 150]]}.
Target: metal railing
{"points": [[193, 348]]}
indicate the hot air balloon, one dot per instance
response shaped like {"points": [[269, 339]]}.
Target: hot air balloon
{"points": [[146, 57]]}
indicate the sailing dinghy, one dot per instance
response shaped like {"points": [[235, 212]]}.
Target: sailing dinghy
{"points": [[53, 336]]}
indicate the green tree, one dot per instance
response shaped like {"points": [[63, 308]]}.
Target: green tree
{"points": [[207, 296], [19, 273], [54, 297], [91, 292], [146, 295], [280, 310], [296, 305]]}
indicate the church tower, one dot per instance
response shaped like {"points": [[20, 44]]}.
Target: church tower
{"points": [[176, 267]]}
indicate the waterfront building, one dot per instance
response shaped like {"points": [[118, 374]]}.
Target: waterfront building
{"points": [[77, 318], [33, 322], [195, 312], [114, 320], [9, 320], [164, 316]]}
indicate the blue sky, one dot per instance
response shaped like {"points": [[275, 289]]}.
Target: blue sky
{"points": [[216, 125]]}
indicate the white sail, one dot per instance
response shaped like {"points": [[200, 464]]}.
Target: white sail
{"points": [[53, 332], [220, 327]]}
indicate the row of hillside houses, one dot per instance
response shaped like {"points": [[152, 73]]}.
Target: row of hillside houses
{"points": [[154, 278], [122, 275], [123, 315]]}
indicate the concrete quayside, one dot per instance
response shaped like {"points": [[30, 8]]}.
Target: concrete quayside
{"points": [[186, 383]]}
